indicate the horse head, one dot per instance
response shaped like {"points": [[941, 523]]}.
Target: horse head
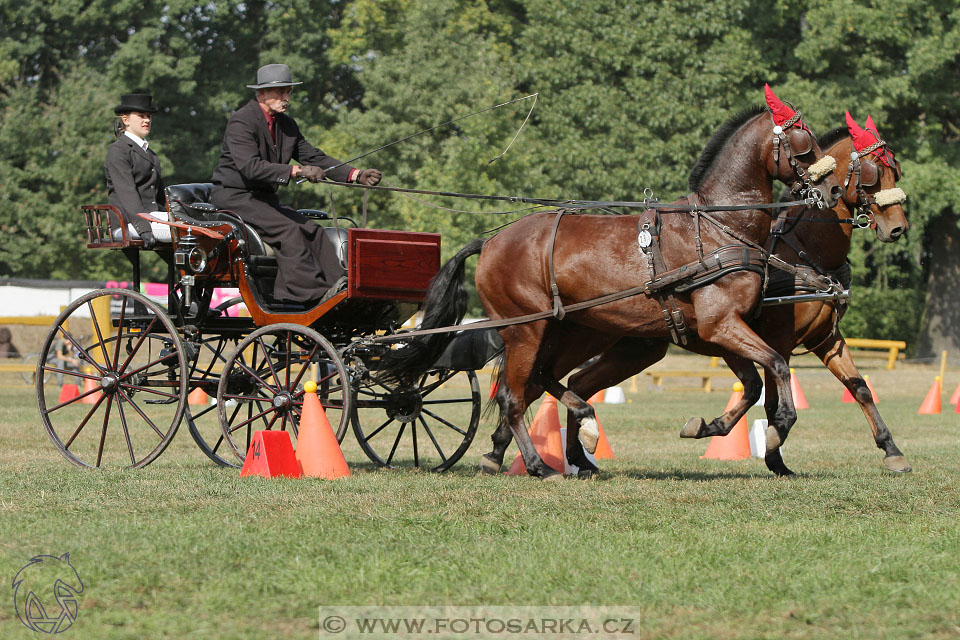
{"points": [[794, 156], [870, 182]]}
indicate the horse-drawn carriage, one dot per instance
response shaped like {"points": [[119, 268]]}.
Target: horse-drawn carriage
{"points": [[147, 367]]}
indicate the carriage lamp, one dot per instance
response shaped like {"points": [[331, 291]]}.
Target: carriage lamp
{"points": [[190, 254]]}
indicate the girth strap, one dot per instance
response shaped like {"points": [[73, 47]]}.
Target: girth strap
{"points": [[558, 311]]}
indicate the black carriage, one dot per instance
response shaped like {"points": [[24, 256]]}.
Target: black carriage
{"points": [[147, 367]]}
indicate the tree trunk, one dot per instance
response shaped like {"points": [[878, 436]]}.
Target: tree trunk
{"points": [[940, 329]]}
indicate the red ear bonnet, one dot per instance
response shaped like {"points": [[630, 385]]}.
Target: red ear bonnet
{"points": [[781, 112], [863, 138]]}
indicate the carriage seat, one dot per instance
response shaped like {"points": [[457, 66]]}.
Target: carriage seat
{"points": [[190, 202]]}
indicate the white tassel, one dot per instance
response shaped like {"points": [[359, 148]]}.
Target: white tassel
{"points": [[890, 196], [822, 167]]}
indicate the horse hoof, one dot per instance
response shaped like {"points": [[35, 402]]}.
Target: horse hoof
{"points": [[589, 434], [585, 474], [774, 462], [552, 476], [692, 428], [898, 464], [489, 466]]}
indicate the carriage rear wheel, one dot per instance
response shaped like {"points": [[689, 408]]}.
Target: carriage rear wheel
{"points": [[261, 387], [428, 425], [124, 404]]}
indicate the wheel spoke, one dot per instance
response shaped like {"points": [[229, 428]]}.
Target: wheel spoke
{"points": [[445, 422], [269, 361], [396, 443], [126, 432], [416, 456], [96, 327], [116, 347], [371, 435], [436, 445], [136, 348], [448, 401], [251, 418], [140, 411], [83, 422], [103, 432], [80, 349]]}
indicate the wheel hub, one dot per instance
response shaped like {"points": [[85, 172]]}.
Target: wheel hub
{"points": [[110, 383], [282, 401], [405, 404]]}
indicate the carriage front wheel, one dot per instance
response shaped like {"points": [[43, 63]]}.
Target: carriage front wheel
{"points": [[123, 393], [427, 425], [261, 386]]}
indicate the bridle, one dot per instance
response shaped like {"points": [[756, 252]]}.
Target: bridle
{"points": [[802, 186], [867, 173]]}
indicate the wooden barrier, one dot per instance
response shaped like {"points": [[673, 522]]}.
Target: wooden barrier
{"points": [[706, 376], [892, 347]]}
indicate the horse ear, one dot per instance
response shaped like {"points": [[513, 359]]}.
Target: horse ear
{"points": [[861, 139], [781, 112], [872, 126], [852, 127]]}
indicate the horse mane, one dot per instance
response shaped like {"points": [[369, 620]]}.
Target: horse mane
{"points": [[712, 150], [832, 137]]}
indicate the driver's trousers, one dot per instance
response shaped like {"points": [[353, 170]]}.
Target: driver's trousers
{"points": [[295, 240]]}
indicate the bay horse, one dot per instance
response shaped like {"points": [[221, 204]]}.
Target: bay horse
{"points": [[545, 260], [869, 171]]}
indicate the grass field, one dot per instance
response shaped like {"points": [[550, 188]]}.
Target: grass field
{"points": [[700, 548]]}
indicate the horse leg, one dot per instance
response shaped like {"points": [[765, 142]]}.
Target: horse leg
{"points": [[627, 357], [735, 336], [836, 356], [490, 463], [752, 386], [523, 343]]}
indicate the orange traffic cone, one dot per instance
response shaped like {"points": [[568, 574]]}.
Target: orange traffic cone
{"points": [[68, 392], [799, 400], [736, 444], [271, 455], [873, 392], [847, 396], [955, 398], [90, 385], [931, 404], [545, 434], [603, 451], [318, 451], [598, 396], [198, 397]]}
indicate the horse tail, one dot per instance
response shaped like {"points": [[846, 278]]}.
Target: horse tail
{"points": [[445, 304]]}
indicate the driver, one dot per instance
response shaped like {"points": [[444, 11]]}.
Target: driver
{"points": [[258, 144]]}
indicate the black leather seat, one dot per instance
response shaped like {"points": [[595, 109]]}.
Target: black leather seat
{"points": [[191, 202]]}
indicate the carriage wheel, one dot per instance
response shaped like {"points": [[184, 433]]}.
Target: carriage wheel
{"points": [[202, 416], [429, 425], [261, 387], [30, 377], [132, 381]]}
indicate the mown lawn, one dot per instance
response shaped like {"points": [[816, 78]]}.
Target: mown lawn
{"points": [[700, 548]]}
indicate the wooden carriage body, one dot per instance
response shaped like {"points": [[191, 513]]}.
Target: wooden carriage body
{"points": [[387, 271]]}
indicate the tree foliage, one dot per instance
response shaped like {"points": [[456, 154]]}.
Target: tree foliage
{"points": [[629, 93]]}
